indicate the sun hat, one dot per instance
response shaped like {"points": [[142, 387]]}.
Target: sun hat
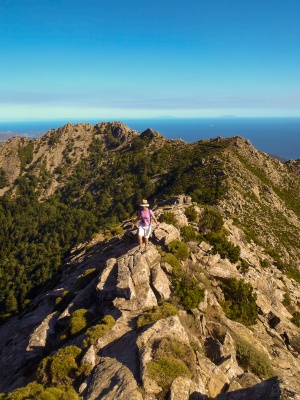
{"points": [[144, 203]]}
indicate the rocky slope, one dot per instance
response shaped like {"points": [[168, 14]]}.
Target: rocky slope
{"points": [[124, 283]]}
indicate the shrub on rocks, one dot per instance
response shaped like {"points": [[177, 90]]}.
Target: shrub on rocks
{"points": [[178, 249], [60, 369], [240, 302], [191, 213], [36, 391], [170, 360], [169, 218], [97, 331], [156, 313]]}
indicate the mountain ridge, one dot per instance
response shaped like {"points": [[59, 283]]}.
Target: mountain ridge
{"points": [[66, 193]]}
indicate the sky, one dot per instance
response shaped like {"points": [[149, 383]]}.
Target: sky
{"points": [[142, 59]]}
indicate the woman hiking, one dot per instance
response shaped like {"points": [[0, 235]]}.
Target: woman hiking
{"points": [[144, 226]]}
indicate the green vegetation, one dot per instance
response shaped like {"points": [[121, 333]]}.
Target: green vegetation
{"points": [[26, 154], [240, 302], [211, 221], [191, 213], [222, 246], [63, 368], [77, 324], [156, 313], [178, 249], [169, 218], [95, 194], [250, 358], [97, 331], [36, 391], [171, 359], [244, 267], [186, 286], [296, 319], [171, 260], [188, 233], [3, 179], [188, 291]]}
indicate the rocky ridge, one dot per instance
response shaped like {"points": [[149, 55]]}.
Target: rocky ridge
{"points": [[128, 282]]}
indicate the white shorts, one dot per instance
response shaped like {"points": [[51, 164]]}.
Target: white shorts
{"points": [[144, 231]]}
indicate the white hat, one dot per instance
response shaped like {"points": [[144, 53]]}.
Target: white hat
{"points": [[144, 203]]}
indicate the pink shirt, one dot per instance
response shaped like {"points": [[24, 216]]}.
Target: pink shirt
{"points": [[145, 217]]}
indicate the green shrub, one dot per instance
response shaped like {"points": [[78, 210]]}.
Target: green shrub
{"points": [[250, 358], [171, 359], [164, 370], [78, 323], [178, 249], [86, 278], [191, 213], [156, 313], [240, 302], [169, 218], [37, 392], [59, 369], [265, 263], [296, 319], [244, 267], [97, 331], [172, 260], [287, 300], [188, 291], [188, 233], [211, 221], [225, 248]]}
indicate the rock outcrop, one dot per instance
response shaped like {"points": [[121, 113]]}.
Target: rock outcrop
{"points": [[206, 347]]}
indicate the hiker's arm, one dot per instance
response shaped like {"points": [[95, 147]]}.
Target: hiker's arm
{"points": [[135, 221], [155, 220]]}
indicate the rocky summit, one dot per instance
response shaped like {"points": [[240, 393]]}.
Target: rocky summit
{"points": [[210, 310]]}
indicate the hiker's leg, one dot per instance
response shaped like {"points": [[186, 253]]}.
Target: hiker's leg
{"points": [[146, 242], [140, 241]]}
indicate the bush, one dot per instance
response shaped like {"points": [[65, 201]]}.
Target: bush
{"points": [[97, 331], [244, 267], [172, 260], [60, 368], [296, 319], [78, 323], [191, 213], [36, 391], [287, 300], [240, 304], [171, 359], [188, 233], [265, 263], [210, 221], [178, 249], [250, 358], [225, 248], [169, 218], [156, 313], [188, 290]]}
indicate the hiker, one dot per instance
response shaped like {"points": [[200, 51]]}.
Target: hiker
{"points": [[144, 227]]}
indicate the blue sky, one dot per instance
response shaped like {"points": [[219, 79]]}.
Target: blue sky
{"points": [[127, 58]]}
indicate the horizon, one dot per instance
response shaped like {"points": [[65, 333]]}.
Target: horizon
{"points": [[147, 60]]}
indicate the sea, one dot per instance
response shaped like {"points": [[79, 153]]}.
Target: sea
{"points": [[275, 136]]}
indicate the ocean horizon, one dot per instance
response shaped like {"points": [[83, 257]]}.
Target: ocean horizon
{"points": [[275, 136]]}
